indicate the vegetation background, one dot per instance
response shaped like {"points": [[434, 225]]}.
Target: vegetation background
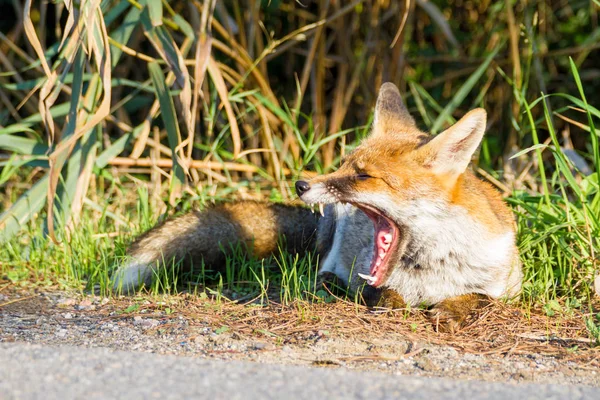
{"points": [[114, 112]]}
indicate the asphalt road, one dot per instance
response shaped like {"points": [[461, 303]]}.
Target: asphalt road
{"points": [[41, 372]]}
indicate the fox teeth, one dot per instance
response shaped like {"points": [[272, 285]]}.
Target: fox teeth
{"points": [[387, 238], [321, 209], [370, 279]]}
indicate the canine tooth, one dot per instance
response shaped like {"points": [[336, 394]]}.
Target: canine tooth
{"points": [[321, 209], [387, 238], [366, 277]]}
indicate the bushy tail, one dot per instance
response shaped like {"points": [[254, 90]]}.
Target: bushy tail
{"points": [[202, 236]]}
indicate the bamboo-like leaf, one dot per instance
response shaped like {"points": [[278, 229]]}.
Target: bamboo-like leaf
{"points": [[115, 149], [88, 148], [88, 155], [29, 204], [155, 11], [57, 111], [578, 102], [33, 39], [99, 48], [203, 49], [10, 167], [185, 27], [114, 11], [123, 32], [167, 110], [64, 186], [593, 136], [23, 145], [529, 149], [166, 47], [215, 73]]}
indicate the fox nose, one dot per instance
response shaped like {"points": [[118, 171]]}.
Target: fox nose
{"points": [[302, 187]]}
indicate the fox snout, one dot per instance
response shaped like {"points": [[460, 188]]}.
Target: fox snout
{"points": [[302, 187], [316, 194], [325, 189]]}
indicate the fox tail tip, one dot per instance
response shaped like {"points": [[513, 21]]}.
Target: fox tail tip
{"points": [[130, 277]]}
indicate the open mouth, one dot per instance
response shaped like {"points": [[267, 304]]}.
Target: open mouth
{"points": [[387, 235]]}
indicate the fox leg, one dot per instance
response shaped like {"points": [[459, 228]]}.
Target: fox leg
{"points": [[391, 299], [386, 298], [452, 314]]}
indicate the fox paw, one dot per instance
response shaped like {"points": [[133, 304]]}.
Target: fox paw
{"points": [[391, 299], [455, 313], [446, 320]]}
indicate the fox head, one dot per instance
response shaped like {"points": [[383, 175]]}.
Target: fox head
{"points": [[395, 167]]}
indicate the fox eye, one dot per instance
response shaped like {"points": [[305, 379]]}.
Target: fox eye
{"points": [[363, 176]]}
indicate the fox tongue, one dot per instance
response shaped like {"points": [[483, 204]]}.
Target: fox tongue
{"points": [[383, 241], [385, 236]]}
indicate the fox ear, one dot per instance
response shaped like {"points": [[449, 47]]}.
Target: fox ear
{"points": [[451, 151], [390, 111]]}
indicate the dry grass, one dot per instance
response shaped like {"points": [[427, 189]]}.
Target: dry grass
{"points": [[499, 329]]}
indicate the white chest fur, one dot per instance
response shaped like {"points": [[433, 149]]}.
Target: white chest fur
{"points": [[449, 254]]}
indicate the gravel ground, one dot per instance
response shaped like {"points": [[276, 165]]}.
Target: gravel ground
{"points": [[63, 320]]}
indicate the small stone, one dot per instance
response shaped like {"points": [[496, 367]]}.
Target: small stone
{"points": [[262, 346], [200, 340], [146, 323], [67, 315], [85, 303], [107, 326], [151, 323], [427, 365], [61, 333], [66, 302]]}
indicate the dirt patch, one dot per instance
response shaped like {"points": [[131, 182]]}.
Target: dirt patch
{"points": [[502, 344]]}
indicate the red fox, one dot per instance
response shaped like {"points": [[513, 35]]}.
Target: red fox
{"points": [[402, 214]]}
